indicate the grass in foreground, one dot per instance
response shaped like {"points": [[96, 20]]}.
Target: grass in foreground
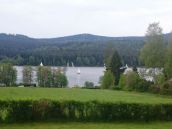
{"points": [[77, 125], [81, 95]]}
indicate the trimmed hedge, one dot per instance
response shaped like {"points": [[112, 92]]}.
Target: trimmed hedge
{"points": [[48, 110]]}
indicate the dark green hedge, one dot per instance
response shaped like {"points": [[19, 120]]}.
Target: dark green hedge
{"points": [[47, 110]]}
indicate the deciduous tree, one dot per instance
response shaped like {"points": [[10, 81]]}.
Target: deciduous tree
{"points": [[152, 54]]}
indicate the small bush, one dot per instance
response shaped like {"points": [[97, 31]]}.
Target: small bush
{"points": [[159, 79], [132, 81], [88, 84], [143, 85], [167, 88], [108, 80], [155, 89]]}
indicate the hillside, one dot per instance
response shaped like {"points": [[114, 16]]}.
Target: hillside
{"points": [[81, 49]]}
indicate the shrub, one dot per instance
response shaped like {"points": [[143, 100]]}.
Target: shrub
{"points": [[155, 89], [132, 80], [108, 80], [122, 81], [159, 79], [88, 84], [18, 111], [41, 110], [143, 85], [167, 88]]}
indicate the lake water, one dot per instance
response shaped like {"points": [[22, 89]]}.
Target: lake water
{"points": [[91, 74]]}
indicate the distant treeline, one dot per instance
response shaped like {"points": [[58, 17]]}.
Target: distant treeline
{"points": [[46, 76], [82, 50]]}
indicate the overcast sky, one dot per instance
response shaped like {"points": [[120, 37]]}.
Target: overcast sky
{"points": [[55, 18]]}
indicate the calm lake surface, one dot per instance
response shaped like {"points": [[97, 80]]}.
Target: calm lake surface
{"points": [[91, 74]]}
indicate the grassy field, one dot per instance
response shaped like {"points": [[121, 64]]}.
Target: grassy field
{"points": [[81, 95], [84, 95], [75, 125]]}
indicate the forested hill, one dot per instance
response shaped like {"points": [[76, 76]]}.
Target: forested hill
{"points": [[82, 49], [87, 38]]}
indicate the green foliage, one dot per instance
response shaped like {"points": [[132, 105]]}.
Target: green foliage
{"points": [[113, 62], [108, 80], [48, 77], [160, 79], [80, 52], [88, 84], [7, 60], [114, 66], [44, 76], [8, 75], [41, 110], [166, 88], [122, 81], [152, 54], [27, 75], [132, 80], [168, 63], [143, 85], [59, 79]]}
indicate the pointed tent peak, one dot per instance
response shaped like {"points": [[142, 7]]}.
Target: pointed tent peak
{"points": [[72, 64], [78, 71], [68, 64], [41, 64]]}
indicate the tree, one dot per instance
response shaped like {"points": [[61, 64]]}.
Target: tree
{"points": [[31, 60], [44, 76], [48, 77], [7, 60], [27, 75], [8, 75], [62, 80], [107, 80], [168, 63], [114, 66], [59, 79], [108, 54], [113, 62], [152, 54], [19, 60]]}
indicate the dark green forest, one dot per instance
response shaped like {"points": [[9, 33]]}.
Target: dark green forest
{"points": [[82, 50]]}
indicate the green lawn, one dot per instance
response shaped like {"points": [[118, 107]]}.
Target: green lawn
{"points": [[84, 95], [81, 95], [76, 125]]}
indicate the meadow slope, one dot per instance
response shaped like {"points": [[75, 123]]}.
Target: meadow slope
{"points": [[82, 95]]}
